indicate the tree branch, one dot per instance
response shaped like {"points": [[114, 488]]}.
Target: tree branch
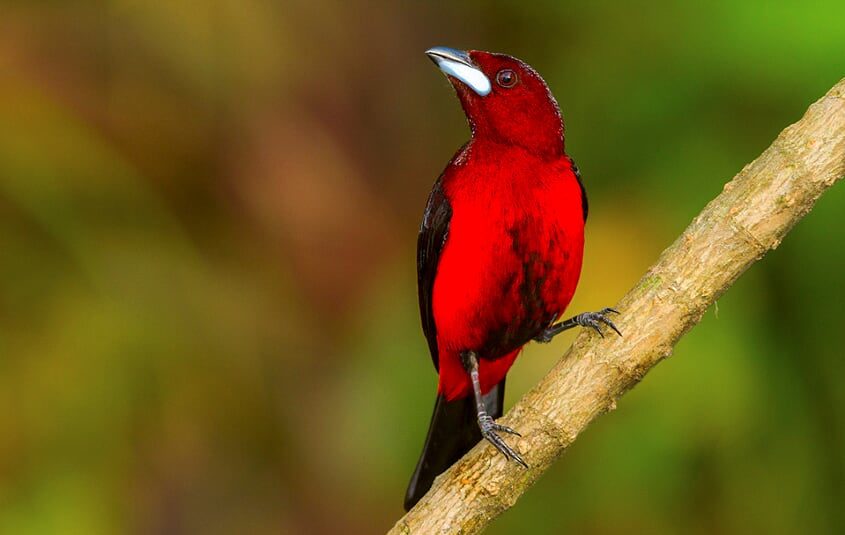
{"points": [[750, 217]]}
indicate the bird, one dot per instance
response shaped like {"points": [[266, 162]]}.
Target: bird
{"points": [[499, 252]]}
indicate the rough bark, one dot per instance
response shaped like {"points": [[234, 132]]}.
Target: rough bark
{"points": [[750, 217]]}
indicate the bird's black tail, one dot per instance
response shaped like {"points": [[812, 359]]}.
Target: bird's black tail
{"points": [[453, 432]]}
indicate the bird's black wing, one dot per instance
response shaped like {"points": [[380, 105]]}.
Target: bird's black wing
{"points": [[584, 205], [432, 237]]}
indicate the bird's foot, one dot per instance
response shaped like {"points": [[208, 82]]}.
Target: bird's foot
{"points": [[490, 431], [594, 320], [489, 428]]}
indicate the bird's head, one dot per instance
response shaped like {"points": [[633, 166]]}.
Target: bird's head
{"points": [[504, 99]]}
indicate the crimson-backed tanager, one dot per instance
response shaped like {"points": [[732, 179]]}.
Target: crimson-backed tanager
{"points": [[499, 251]]}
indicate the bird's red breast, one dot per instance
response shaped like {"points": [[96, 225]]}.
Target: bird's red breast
{"points": [[511, 260]]}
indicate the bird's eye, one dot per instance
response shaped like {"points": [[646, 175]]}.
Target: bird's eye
{"points": [[506, 78]]}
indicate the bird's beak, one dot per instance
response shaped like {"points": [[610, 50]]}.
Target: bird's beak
{"points": [[457, 64]]}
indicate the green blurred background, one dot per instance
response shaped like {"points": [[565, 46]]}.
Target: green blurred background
{"points": [[208, 214]]}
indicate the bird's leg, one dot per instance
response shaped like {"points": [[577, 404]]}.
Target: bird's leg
{"points": [[489, 428], [586, 319]]}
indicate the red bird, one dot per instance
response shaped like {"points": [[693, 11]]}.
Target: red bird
{"points": [[499, 251]]}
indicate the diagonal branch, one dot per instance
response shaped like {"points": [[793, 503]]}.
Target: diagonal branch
{"points": [[750, 217]]}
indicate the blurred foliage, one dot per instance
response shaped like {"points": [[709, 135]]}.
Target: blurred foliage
{"points": [[208, 214]]}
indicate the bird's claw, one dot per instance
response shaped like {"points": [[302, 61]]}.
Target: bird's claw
{"points": [[490, 429], [594, 320]]}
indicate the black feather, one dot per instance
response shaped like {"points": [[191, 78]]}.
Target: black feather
{"points": [[584, 205]]}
